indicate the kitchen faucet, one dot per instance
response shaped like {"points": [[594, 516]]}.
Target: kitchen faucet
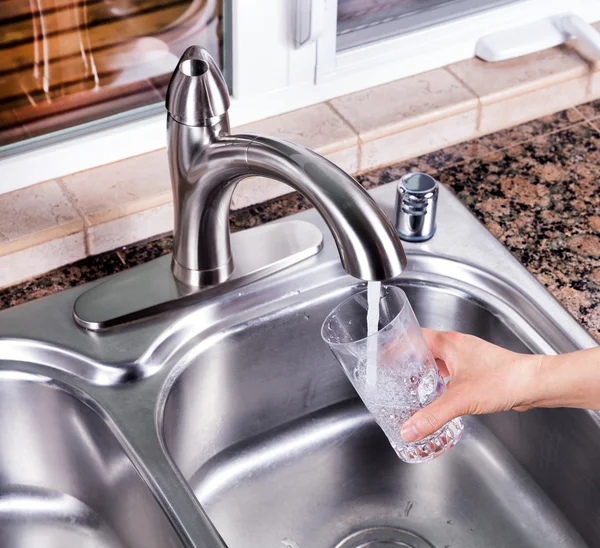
{"points": [[206, 163]]}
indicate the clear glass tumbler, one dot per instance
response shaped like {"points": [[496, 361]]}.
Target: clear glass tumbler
{"points": [[392, 370]]}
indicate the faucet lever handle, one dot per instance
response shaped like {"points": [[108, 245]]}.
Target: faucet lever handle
{"points": [[197, 93]]}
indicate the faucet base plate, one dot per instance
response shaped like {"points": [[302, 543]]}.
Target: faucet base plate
{"points": [[151, 289]]}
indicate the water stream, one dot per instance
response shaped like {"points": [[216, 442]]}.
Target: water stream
{"points": [[373, 296]]}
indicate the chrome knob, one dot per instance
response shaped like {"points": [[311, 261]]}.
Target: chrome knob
{"points": [[416, 204]]}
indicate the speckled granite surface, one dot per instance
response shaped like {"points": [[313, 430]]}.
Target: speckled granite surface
{"points": [[536, 187]]}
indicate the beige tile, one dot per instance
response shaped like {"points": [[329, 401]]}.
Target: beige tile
{"points": [[123, 188], [405, 103], [529, 106], [255, 190], [35, 215], [594, 63], [594, 86], [33, 261], [130, 228], [346, 159], [497, 81], [317, 127], [418, 140]]}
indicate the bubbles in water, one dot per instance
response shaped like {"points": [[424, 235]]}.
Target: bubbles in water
{"points": [[427, 387]]}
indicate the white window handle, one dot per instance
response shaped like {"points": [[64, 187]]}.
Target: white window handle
{"points": [[310, 21], [578, 28], [542, 34]]}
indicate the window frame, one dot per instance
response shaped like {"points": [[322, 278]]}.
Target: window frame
{"points": [[270, 75]]}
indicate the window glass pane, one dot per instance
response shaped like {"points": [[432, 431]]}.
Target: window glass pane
{"points": [[363, 21], [67, 62]]}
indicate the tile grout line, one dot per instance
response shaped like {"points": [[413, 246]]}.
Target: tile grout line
{"points": [[359, 141], [520, 143], [588, 93], [340, 115], [584, 121], [73, 202], [586, 118], [592, 124], [558, 130], [359, 159], [542, 83], [476, 95], [552, 83], [588, 84], [588, 76]]}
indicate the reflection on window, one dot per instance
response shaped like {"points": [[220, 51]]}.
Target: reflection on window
{"points": [[361, 22], [65, 62]]}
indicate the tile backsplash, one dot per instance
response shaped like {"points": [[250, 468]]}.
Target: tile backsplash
{"points": [[58, 222]]}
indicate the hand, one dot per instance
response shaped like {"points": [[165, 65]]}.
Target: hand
{"points": [[484, 378]]}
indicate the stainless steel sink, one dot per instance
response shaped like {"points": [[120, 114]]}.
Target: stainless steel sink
{"points": [[279, 447], [65, 481], [233, 411]]}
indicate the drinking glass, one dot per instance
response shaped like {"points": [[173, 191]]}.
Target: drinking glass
{"points": [[392, 369]]}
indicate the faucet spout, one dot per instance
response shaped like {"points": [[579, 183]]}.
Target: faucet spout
{"points": [[368, 245], [206, 163]]}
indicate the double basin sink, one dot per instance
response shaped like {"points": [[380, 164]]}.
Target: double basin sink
{"points": [[229, 423]]}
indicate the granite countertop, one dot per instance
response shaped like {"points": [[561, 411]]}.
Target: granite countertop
{"points": [[536, 187]]}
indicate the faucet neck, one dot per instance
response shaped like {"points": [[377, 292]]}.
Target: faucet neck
{"points": [[206, 163]]}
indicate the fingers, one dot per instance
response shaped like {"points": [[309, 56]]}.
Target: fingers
{"points": [[442, 368], [431, 418], [433, 340], [438, 344]]}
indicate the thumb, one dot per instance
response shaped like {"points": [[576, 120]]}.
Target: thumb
{"points": [[431, 418]]}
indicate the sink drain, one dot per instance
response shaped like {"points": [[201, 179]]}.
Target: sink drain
{"points": [[384, 537]]}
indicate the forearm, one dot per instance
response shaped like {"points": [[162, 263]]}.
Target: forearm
{"points": [[570, 380], [489, 379]]}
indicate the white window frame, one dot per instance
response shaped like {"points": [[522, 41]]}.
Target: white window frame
{"points": [[272, 75]]}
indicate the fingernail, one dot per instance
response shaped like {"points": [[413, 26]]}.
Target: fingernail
{"points": [[409, 432]]}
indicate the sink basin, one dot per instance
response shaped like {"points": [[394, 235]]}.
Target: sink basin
{"points": [[229, 424], [65, 482], [280, 452]]}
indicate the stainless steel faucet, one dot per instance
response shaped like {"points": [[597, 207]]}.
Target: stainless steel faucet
{"points": [[207, 162]]}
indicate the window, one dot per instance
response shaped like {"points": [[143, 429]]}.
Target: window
{"points": [[107, 62], [361, 22], [67, 62]]}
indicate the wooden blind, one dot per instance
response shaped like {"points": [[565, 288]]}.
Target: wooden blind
{"points": [[63, 62]]}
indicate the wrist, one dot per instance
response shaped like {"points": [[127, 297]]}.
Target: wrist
{"points": [[567, 380], [532, 380]]}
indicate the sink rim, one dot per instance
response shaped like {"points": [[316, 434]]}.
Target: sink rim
{"points": [[155, 350], [484, 292], [460, 237]]}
